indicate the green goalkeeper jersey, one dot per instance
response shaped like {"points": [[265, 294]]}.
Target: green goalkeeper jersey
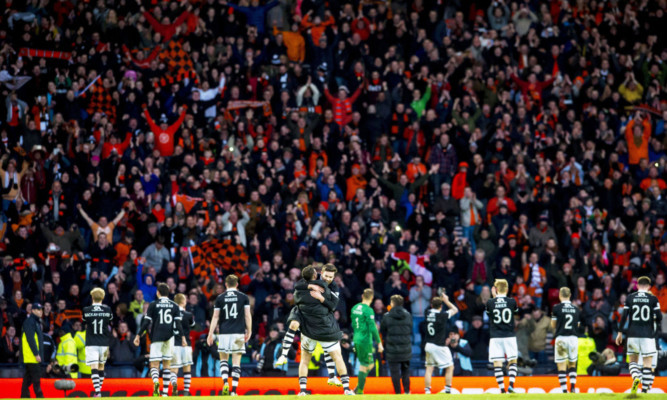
{"points": [[363, 323]]}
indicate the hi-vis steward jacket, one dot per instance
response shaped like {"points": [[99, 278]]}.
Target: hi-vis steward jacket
{"points": [[66, 354], [80, 340], [32, 340]]}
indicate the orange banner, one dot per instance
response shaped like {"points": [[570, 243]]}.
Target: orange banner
{"points": [[275, 386]]}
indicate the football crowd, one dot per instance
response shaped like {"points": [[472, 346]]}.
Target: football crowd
{"points": [[420, 147]]}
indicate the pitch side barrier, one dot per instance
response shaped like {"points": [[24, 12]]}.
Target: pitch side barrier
{"points": [[11, 388]]}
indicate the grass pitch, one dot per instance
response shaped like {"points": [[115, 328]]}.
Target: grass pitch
{"points": [[516, 396]]}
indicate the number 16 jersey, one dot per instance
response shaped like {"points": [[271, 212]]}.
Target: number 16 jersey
{"points": [[501, 310], [231, 309], [164, 317], [642, 310]]}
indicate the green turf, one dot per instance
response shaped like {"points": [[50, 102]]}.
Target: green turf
{"points": [[518, 396]]}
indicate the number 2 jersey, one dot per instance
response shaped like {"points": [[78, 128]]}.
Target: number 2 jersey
{"points": [[97, 319], [231, 308], [501, 310], [567, 317], [642, 311], [164, 318]]}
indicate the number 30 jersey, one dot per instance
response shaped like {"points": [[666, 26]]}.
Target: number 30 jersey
{"points": [[164, 317], [97, 319], [231, 307], [642, 312], [501, 310], [567, 317]]}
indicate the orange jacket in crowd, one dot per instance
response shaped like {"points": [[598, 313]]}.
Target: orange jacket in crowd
{"points": [[637, 148], [661, 294], [316, 31], [353, 183], [296, 45]]}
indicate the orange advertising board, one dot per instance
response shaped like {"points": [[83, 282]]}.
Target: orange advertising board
{"points": [[277, 386]]}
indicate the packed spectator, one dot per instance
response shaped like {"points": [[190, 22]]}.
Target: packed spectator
{"points": [[417, 145]]}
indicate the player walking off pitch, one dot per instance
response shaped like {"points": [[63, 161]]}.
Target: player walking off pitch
{"points": [[97, 319], [565, 321], [182, 354], [642, 312], [231, 314], [164, 318]]}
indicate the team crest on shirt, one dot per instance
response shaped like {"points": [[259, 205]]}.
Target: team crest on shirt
{"points": [[97, 308], [163, 138]]}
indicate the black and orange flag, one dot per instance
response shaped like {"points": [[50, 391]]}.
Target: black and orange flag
{"points": [[100, 99], [218, 257], [179, 63]]}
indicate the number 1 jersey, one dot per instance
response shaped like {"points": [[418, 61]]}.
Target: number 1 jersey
{"points": [[501, 311], [231, 308]]}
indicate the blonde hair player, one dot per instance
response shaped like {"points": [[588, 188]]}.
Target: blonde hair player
{"points": [[565, 321], [182, 354], [502, 345], [97, 319]]}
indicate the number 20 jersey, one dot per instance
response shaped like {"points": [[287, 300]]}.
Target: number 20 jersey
{"points": [[567, 317], [642, 309], [501, 312], [231, 308]]}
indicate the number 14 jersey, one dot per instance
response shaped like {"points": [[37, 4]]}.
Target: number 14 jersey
{"points": [[231, 308], [501, 310]]}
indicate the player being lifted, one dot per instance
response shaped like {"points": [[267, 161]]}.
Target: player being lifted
{"points": [[97, 319], [318, 326], [565, 321], [501, 310], [328, 274], [642, 312], [365, 331], [164, 318], [182, 354], [438, 354], [231, 314]]}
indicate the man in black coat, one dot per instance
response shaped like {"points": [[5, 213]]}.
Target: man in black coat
{"points": [[396, 330], [32, 352]]}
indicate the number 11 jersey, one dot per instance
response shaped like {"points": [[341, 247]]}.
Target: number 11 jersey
{"points": [[501, 310], [97, 319], [231, 309]]}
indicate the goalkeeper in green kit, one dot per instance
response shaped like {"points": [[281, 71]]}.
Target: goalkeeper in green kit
{"points": [[365, 331]]}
